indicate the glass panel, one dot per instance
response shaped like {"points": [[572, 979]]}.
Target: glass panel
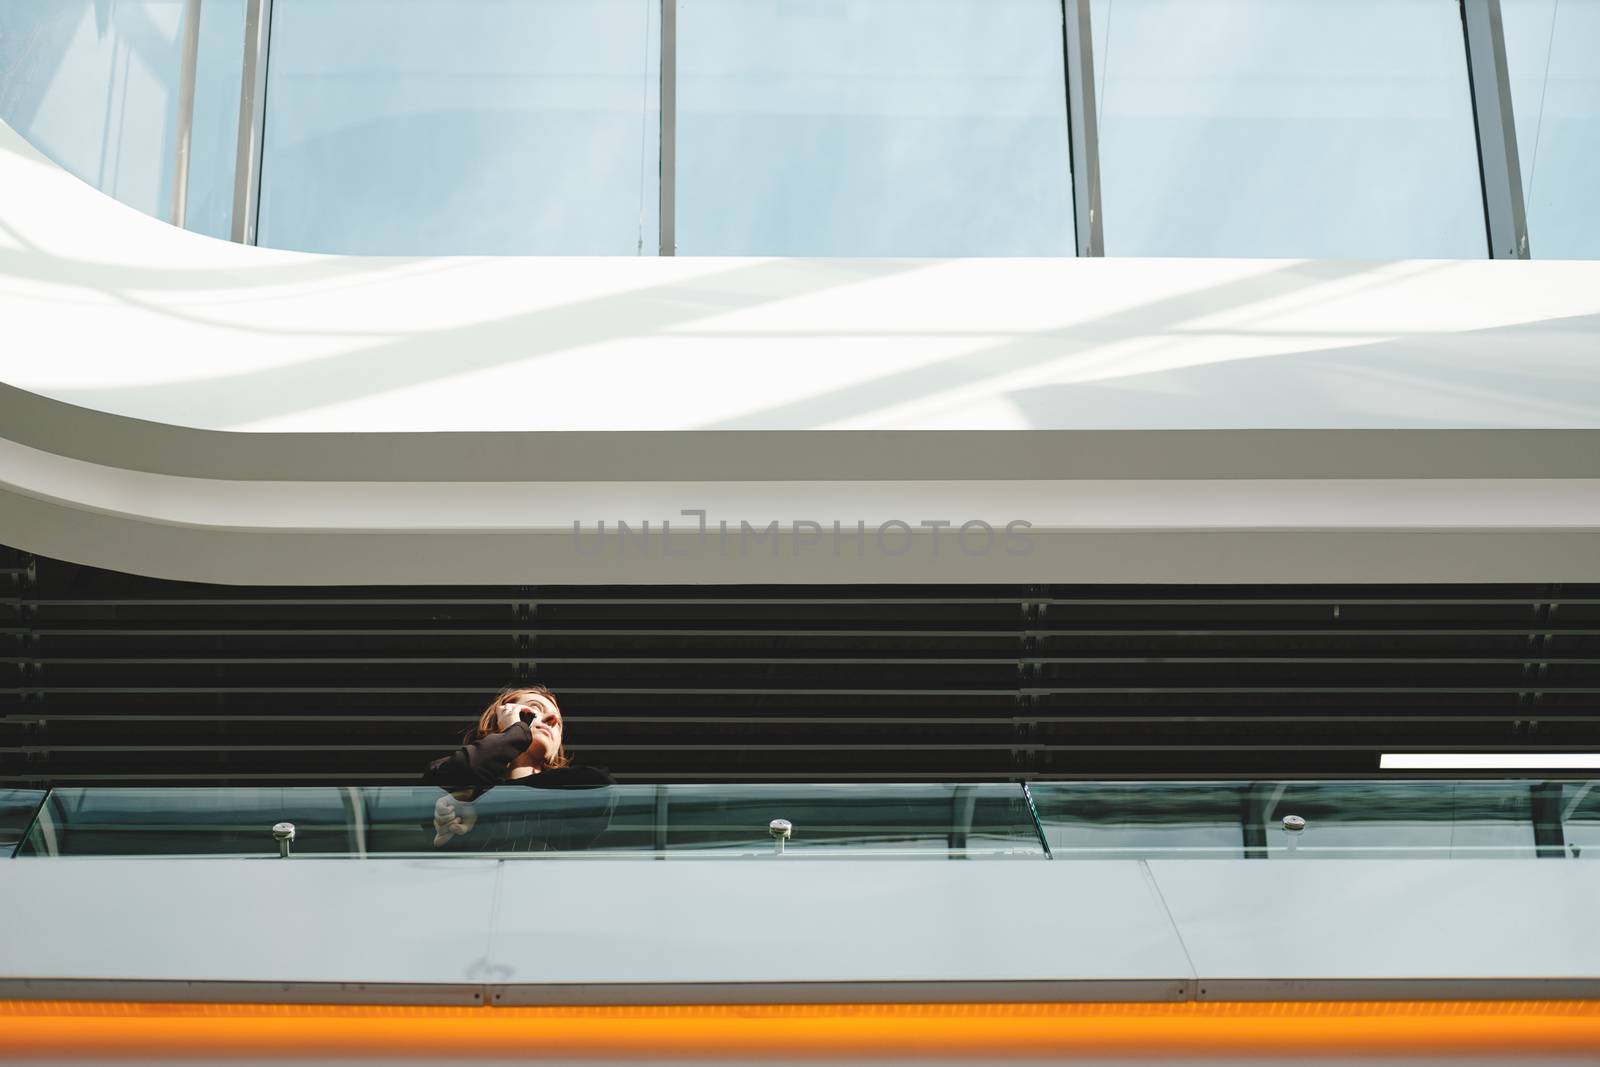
{"points": [[111, 821], [1443, 820], [872, 128], [1581, 819], [463, 126], [17, 807], [850, 821], [94, 86], [1080, 820], [1141, 820], [1555, 96], [214, 140], [907, 821], [1286, 128], [1342, 820]]}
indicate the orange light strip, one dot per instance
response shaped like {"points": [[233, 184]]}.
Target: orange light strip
{"points": [[120, 1029]]}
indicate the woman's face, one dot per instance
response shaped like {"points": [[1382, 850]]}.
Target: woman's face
{"points": [[546, 725]]}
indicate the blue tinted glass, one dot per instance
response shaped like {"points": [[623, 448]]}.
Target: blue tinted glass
{"points": [[1286, 128], [1580, 813], [17, 808], [94, 85], [214, 141], [460, 126], [892, 820], [1333, 820], [1551, 51], [872, 127]]}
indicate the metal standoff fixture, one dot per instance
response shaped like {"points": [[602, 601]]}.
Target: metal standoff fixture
{"points": [[283, 832], [1294, 824], [780, 830]]}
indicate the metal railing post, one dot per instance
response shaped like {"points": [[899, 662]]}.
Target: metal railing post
{"points": [[252, 121], [669, 127], [1499, 170], [1082, 121], [185, 115]]}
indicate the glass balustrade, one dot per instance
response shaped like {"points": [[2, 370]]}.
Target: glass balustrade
{"points": [[1477, 819], [1383, 819], [890, 821], [17, 808]]}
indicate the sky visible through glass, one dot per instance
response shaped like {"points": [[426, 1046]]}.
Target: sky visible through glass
{"points": [[1286, 128], [1552, 47], [889, 128], [904, 128]]}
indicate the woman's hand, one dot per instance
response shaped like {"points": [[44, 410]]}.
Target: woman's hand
{"points": [[544, 729], [510, 714], [451, 818]]}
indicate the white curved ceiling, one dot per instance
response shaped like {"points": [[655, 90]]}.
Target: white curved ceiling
{"points": [[169, 401]]}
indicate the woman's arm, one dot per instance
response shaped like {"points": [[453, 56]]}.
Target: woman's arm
{"points": [[483, 762]]}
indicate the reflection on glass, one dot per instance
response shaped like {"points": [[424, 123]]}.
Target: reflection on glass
{"points": [[112, 821], [1286, 128], [214, 138], [1580, 816], [879, 128], [1342, 820], [17, 807], [438, 126], [1140, 820], [1551, 47], [854, 820], [1387, 819], [928, 821], [94, 86]]}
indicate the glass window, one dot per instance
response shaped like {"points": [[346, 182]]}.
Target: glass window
{"points": [[462, 126], [1551, 47], [214, 137], [93, 84], [1286, 128], [872, 127]]}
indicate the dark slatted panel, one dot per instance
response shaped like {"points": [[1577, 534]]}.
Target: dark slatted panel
{"points": [[117, 678]]}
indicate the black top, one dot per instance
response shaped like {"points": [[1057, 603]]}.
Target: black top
{"points": [[526, 826]]}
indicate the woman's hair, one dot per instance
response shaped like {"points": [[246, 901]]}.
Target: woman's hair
{"points": [[489, 721]]}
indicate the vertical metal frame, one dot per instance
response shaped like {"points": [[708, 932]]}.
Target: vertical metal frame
{"points": [[1499, 170], [1084, 128], [185, 115], [252, 121], [669, 127]]}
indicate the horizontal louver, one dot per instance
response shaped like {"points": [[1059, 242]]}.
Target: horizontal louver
{"points": [[118, 678]]}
